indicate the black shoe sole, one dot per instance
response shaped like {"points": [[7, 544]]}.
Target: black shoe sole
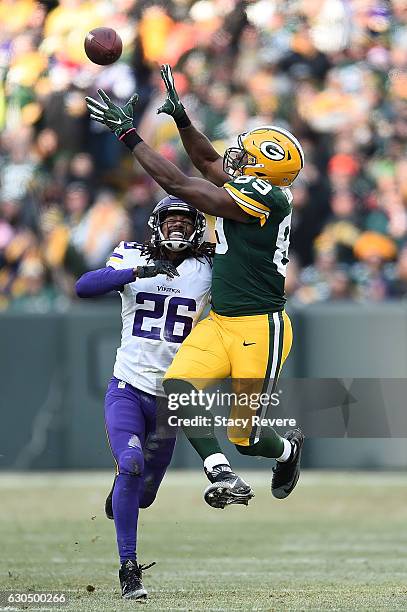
{"points": [[285, 490], [220, 495]]}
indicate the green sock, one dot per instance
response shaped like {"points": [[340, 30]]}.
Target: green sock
{"points": [[204, 442], [201, 436], [270, 445]]}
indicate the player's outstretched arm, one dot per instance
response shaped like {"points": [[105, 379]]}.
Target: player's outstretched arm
{"points": [[105, 280], [200, 193], [201, 152], [102, 281]]}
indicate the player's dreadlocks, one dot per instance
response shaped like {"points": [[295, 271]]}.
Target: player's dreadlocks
{"points": [[204, 251]]}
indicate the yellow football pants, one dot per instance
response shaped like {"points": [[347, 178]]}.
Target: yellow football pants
{"points": [[250, 349]]}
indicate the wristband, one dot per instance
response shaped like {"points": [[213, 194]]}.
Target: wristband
{"points": [[183, 121], [130, 138]]}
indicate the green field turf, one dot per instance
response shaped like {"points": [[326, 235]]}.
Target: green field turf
{"points": [[338, 543]]}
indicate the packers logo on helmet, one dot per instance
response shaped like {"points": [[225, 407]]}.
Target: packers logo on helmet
{"points": [[272, 150], [269, 152]]}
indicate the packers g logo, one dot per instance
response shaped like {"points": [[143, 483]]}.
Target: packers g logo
{"points": [[272, 150]]}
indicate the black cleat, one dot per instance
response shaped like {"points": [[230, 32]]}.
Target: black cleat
{"points": [[130, 576], [287, 473], [109, 502], [226, 488]]}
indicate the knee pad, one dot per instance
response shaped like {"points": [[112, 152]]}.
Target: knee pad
{"points": [[131, 461]]}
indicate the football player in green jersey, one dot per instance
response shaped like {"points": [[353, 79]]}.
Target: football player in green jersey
{"points": [[247, 334]]}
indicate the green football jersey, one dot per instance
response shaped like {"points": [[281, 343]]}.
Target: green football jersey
{"points": [[250, 262]]}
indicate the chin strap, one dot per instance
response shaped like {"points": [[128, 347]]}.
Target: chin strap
{"points": [[168, 244]]}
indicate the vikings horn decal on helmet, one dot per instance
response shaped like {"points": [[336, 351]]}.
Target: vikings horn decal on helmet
{"points": [[171, 205], [269, 152]]}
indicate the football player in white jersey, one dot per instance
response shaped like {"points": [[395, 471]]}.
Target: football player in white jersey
{"points": [[164, 286]]}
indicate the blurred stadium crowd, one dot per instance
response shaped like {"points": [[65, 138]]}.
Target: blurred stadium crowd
{"points": [[332, 71]]}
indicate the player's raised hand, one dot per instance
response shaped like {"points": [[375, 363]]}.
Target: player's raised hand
{"points": [[172, 105], [160, 266], [118, 119]]}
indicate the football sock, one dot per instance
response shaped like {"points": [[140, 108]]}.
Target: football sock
{"points": [[125, 512], [201, 436], [214, 460], [286, 454], [270, 445], [204, 442]]}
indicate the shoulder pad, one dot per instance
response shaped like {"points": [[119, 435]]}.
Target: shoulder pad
{"points": [[255, 196], [119, 258]]}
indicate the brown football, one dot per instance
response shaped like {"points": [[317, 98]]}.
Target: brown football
{"points": [[103, 46]]}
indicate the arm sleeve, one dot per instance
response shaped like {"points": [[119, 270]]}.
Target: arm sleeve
{"points": [[104, 280]]}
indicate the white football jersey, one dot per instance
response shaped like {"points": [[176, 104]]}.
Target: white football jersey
{"points": [[157, 315]]}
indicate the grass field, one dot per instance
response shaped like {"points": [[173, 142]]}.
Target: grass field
{"points": [[339, 543]]}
